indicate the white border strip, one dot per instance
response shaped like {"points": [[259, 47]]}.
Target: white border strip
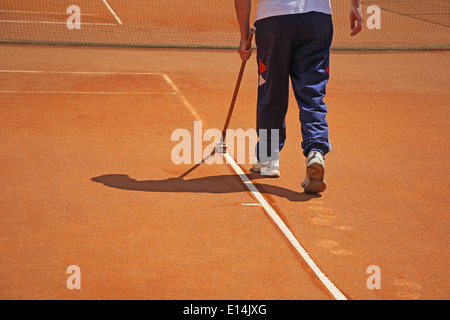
{"points": [[57, 22], [84, 92], [182, 97], [81, 72], [112, 12], [335, 292], [42, 12], [89, 92]]}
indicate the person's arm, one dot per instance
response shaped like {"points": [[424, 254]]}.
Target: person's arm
{"points": [[243, 9], [356, 17]]}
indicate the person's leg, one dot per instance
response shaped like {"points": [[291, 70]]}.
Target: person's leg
{"points": [[273, 40], [309, 75]]}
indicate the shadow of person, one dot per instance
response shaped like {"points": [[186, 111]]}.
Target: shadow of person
{"points": [[212, 184]]}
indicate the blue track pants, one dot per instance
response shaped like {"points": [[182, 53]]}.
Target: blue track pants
{"points": [[297, 47]]}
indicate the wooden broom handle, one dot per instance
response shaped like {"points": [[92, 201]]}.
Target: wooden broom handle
{"points": [[236, 89]]}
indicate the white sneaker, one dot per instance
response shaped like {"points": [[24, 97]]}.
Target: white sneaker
{"points": [[315, 171], [270, 169]]}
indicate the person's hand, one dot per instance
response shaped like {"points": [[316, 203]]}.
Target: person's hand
{"points": [[243, 51], [356, 20]]}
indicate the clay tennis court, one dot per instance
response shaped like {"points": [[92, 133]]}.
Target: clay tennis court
{"points": [[87, 178]]}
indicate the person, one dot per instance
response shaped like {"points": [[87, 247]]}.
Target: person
{"points": [[293, 39]]}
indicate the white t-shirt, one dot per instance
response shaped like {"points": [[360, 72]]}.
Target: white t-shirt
{"points": [[270, 8]]}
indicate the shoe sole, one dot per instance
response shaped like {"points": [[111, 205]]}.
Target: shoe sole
{"points": [[316, 183], [316, 171]]}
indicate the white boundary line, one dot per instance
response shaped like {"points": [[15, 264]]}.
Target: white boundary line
{"points": [[88, 92], [43, 12], [84, 92], [57, 22], [335, 292], [112, 12], [81, 72], [182, 97]]}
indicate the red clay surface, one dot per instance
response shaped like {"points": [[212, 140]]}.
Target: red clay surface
{"points": [[87, 180]]}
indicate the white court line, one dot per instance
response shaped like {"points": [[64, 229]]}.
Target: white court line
{"points": [[43, 12], [182, 97], [57, 22], [112, 12], [84, 73], [335, 292], [88, 92], [80, 72]]}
